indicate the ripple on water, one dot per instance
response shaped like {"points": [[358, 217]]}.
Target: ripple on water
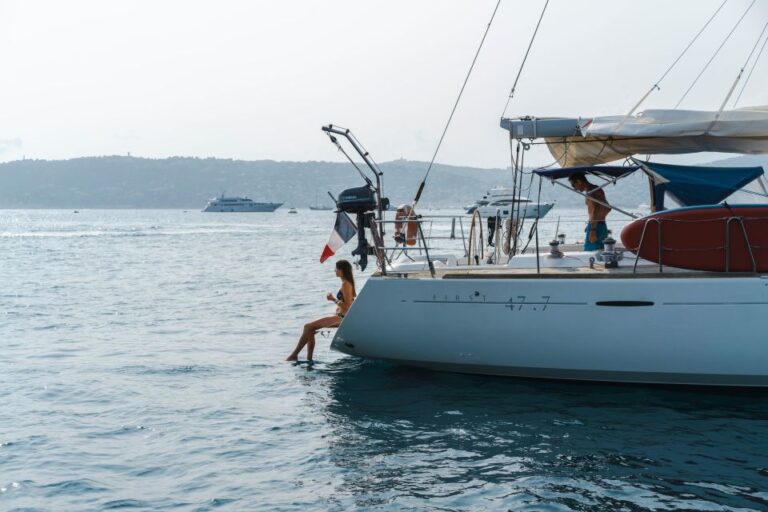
{"points": [[73, 487], [183, 370], [146, 373]]}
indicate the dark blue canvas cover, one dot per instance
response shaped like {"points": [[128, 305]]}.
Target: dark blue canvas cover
{"points": [[694, 185], [613, 171]]}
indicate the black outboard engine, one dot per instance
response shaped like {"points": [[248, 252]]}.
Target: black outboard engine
{"points": [[357, 200], [362, 202]]}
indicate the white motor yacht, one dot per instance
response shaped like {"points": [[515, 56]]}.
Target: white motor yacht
{"points": [[503, 202], [238, 204]]}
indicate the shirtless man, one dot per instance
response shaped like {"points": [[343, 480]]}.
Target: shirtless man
{"points": [[596, 230]]}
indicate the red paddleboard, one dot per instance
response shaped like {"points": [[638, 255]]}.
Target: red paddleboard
{"points": [[696, 238]]}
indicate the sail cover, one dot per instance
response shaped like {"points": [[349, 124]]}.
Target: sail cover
{"points": [[609, 138]]}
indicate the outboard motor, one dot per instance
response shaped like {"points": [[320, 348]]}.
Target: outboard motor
{"points": [[361, 201]]}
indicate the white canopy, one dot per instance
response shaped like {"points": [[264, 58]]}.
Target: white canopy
{"points": [[604, 139]]}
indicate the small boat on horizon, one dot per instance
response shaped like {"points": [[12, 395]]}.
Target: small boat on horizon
{"points": [[292, 210]]}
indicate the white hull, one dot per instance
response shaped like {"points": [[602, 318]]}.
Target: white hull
{"points": [[237, 208], [692, 329], [526, 211]]}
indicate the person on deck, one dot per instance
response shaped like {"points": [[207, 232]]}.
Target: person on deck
{"points": [[343, 301], [597, 209]]}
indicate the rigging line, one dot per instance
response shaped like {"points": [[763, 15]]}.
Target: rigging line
{"points": [[716, 52], [735, 82], [338, 146], [754, 64], [530, 182], [538, 264], [515, 162], [455, 105], [519, 186], [525, 58], [514, 212], [563, 157], [655, 86], [520, 222], [512, 151]]}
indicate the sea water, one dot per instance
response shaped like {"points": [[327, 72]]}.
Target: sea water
{"points": [[142, 368]]}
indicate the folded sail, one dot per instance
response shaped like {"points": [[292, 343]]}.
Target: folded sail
{"points": [[595, 150], [742, 123], [608, 138]]}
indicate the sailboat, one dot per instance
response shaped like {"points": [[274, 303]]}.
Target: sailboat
{"points": [[320, 207], [683, 302]]}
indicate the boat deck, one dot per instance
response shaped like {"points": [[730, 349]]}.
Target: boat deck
{"points": [[598, 272]]}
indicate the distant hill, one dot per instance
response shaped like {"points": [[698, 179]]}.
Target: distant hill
{"points": [[181, 182], [128, 182]]}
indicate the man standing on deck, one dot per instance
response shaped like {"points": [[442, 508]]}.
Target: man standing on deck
{"points": [[597, 209]]}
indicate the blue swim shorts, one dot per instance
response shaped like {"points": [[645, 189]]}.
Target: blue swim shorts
{"points": [[602, 234]]}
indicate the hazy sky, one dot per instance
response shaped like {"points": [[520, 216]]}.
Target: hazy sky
{"points": [[257, 79]]}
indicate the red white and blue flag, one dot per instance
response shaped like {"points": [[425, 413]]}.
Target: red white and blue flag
{"points": [[343, 231]]}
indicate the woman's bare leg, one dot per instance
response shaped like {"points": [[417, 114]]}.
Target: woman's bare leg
{"points": [[308, 335], [310, 345], [300, 345]]}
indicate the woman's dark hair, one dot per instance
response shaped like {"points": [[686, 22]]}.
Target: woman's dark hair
{"points": [[346, 271], [578, 176]]}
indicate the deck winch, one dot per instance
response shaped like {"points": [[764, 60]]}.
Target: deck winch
{"points": [[554, 249], [609, 254]]}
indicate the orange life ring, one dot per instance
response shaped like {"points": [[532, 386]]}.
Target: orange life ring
{"points": [[405, 224]]}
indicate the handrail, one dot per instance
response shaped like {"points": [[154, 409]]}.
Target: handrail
{"points": [[642, 239], [726, 247], [404, 249], [432, 230], [740, 221], [443, 227], [426, 252]]}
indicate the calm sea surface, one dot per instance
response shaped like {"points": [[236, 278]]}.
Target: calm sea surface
{"points": [[141, 368]]}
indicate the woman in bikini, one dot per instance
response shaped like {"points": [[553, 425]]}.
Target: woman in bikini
{"points": [[343, 301]]}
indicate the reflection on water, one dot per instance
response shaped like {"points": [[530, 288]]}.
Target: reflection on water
{"points": [[402, 435]]}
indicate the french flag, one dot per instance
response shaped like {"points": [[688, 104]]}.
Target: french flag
{"points": [[343, 231]]}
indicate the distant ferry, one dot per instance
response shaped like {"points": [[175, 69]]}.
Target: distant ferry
{"points": [[239, 204]]}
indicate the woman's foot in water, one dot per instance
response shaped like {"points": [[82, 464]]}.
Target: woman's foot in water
{"points": [[292, 357]]}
